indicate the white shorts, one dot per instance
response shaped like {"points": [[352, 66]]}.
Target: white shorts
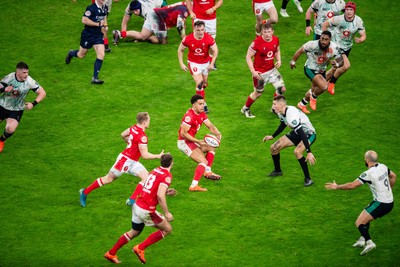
{"points": [[152, 24], [196, 68], [259, 8], [124, 164], [210, 26], [187, 147], [140, 215], [273, 77]]}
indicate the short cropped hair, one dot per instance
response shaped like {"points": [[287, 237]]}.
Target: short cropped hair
{"points": [[371, 156], [166, 160], [267, 25], [280, 98], [195, 98], [22, 66], [142, 117], [327, 33], [199, 23]]}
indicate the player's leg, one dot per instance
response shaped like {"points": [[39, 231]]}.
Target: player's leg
{"points": [[258, 86], [137, 228], [283, 11], [165, 229], [275, 148], [273, 14], [210, 156], [197, 156], [337, 73], [99, 48], [142, 173], [11, 126], [298, 152], [362, 223], [320, 85]]}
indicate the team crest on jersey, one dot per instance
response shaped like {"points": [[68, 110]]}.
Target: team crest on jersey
{"points": [[363, 175], [330, 14], [15, 93], [294, 122], [126, 168], [346, 33], [144, 139], [168, 180], [88, 13], [187, 119]]}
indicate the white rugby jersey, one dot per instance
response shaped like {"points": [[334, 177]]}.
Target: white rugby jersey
{"points": [[326, 11], [146, 7], [377, 178], [318, 59], [343, 31], [15, 100], [295, 118]]}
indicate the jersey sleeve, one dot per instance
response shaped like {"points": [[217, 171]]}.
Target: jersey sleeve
{"points": [[363, 178], [309, 46], [293, 118]]}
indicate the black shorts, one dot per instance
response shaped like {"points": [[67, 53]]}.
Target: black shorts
{"points": [[5, 113], [378, 209], [296, 139], [347, 52], [88, 40]]}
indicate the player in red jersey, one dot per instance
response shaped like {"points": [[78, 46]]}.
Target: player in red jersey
{"points": [[205, 10], [264, 6], [199, 44], [128, 160], [159, 20], [196, 148], [144, 212], [265, 50]]}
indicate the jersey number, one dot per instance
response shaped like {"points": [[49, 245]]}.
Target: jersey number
{"points": [[149, 181]]}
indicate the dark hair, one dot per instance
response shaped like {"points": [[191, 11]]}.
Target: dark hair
{"points": [[195, 98], [199, 23], [22, 66], [135, 4], [327, 33], [166, 160], [279, 98]]}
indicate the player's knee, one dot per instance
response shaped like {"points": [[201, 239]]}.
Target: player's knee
{"points": [[274, 149], [167, 230], [298, 152]]}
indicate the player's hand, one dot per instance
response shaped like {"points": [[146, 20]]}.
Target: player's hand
{"points": [[257, 75], [292, 64], [192, 15], [171, 192], [28, 105], [310, 158], [331, 186], [162, 153], [278, 64], [268, 137], [184, 67], [357, 40], [169, 217], [308, 30], [9, 88], [210, 11]]}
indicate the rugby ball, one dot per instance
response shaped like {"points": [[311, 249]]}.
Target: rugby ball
{"points": [[211, 140]]}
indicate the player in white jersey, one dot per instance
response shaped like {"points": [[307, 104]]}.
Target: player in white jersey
{"points": [[381, 181], [319, 54], [14, 89], [138, 8], [324, 10], [302, 136], [344, 29]]}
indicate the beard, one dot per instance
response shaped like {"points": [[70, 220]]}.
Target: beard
{"points": [[322, 47]]}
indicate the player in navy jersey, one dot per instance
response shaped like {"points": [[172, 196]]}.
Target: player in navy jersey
{"points": [[380, 180], [94, 19], [159, 20]]}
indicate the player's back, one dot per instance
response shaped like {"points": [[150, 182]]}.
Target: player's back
{"points": [[148, 199]]}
